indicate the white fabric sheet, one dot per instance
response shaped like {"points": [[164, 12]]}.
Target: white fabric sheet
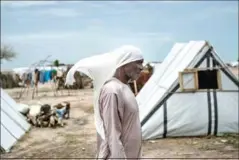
{"points": [[100, 68]]}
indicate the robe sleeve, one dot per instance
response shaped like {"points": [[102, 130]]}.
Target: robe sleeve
{"points": [[112, 114]]}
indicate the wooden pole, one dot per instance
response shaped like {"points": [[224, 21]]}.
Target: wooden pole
{"points": [[135, 88]]}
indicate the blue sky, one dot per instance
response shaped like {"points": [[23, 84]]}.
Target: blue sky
{"points": [[73, 30]]}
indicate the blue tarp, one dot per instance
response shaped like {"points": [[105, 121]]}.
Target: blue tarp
{"points": [[42, 76], [47, 76]]}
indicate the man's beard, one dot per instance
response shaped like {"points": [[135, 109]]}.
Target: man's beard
{"points": [[132, 76]]}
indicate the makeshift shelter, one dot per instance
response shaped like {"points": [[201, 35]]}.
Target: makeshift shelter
{"points": [[192, 94], [13, 124]]}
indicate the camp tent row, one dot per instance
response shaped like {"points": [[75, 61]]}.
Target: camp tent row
{"points": [[13, 124], [180, 100]]}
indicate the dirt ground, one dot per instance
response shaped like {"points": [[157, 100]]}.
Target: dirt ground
{"points": [[77, 139]]}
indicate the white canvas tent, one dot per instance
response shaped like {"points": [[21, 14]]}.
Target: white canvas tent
{"points": [[13, 124], [168, 111]]}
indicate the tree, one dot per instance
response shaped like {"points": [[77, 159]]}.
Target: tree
{"points": [[7, 53], [56, 63], [150, 68]]}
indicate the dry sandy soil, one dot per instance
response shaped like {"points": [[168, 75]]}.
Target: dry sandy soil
{"points": [[77, 139]]}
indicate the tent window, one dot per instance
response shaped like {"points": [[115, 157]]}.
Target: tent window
{"points": [[194, 79], [188, 81], [208, 79]]}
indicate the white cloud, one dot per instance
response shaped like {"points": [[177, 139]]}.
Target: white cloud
{"points": [[27, 3], [79, 44], [59, 9], [49, 11], [97, 5], [146, 2], [20, 4], [90, 33], [118, 2], [59, 12], [40, 36], [175, 2]]}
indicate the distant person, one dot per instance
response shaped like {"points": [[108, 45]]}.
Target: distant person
{"points": [[119, 110]]}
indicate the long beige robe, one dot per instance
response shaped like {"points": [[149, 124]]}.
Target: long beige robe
{"points": [[120, 115]]}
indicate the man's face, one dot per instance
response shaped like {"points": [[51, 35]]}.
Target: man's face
{"points": [[133, 69]]}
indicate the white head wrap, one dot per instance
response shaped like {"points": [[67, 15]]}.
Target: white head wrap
{"points": [[101, 68]]}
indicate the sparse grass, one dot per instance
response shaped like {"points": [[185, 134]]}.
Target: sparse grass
{"points": [[207, 147], [71, 138], [215, 143], [25, 136], [232, 139], [22, 139], [88, 109]]}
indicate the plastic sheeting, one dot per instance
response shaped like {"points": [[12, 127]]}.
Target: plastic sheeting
{"points": [[23, 108], [13, 124], [186, 114]]}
